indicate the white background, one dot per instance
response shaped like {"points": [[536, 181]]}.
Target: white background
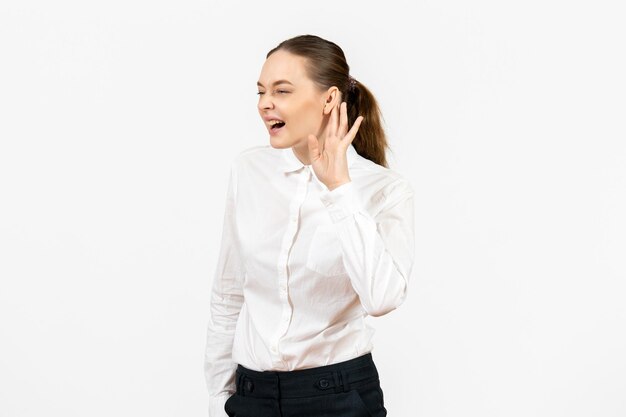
{"points": [[119, 119]]}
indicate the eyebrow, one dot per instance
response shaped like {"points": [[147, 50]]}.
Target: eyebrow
{"points": [[275, 83]]}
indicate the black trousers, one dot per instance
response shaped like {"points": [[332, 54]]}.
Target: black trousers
{"points": [[345, 389]]}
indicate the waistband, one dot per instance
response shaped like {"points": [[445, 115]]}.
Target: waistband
{"points": [[336, 377]]}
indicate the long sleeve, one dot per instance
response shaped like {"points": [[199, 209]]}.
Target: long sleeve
{"points": [[225, 305], [378, 252]]}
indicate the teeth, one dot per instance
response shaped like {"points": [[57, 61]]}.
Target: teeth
{"points": [[273, 122]]}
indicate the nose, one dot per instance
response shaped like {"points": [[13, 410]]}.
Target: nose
{"points": [[265, 102]]}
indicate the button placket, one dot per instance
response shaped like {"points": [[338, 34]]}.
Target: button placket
{"points": [[287, 242]]}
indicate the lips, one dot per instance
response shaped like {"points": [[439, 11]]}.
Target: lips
{"points": [[275, 125]]}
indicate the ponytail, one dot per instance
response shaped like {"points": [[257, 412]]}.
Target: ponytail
{"points": [[370, 140]]}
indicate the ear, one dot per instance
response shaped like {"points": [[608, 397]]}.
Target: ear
{"points": [[332, 97]]}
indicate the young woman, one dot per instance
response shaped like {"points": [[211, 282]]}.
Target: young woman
{"points": [[318, 233]]}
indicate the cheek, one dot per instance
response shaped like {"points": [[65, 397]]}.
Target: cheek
{"points": [[307, 117]]}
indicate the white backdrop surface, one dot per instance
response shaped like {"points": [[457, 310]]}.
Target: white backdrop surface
{"points": [[119, 119]]}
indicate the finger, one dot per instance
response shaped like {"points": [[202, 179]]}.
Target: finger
{"points": [[333, 122], [328, 128], [343, 119], [355, 127], [314, 147]]}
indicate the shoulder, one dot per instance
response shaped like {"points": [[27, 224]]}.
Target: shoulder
{"points": [[253, 153], [241, 163], [250, 152]]}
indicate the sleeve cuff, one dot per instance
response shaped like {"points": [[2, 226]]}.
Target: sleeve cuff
{"points": [[341, 202]]}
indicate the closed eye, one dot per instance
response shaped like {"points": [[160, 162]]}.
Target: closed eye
{"points": [[280, 91]]}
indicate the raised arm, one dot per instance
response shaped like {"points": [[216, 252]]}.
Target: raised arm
{"points": [[378, 252]]}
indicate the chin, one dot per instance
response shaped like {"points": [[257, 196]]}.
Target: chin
{"points": [[280, 142]]}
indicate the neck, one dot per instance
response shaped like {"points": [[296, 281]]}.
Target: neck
{"points": [[302, 152]]}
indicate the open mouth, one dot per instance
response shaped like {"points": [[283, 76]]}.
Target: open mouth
{"points": [[276, 125]]}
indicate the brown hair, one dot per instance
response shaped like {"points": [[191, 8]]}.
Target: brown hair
{"points": [[326, 65]]}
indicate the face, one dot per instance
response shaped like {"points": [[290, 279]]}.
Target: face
{"points": [[288, 95]]}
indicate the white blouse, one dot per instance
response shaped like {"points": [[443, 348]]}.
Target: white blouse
{"points": [[301, 266]]}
